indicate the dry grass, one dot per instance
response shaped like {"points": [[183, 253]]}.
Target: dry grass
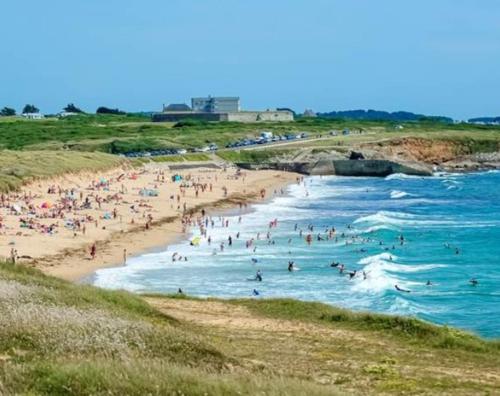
{"points": [[20, 167]]}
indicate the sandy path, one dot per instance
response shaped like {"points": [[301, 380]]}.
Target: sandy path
{"points": [[326, 354]]}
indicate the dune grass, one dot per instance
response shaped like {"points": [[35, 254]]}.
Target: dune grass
{"points": [[20, 167], [409, 329], [57, 338]]}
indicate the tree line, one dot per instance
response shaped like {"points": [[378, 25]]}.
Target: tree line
{"points": [[70, 108]]}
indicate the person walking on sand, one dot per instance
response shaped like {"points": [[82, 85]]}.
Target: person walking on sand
{"points": [[124, 256], [13, 255], [93, 251]]}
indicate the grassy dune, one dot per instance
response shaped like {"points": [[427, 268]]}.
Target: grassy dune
{"points": [[20, 167], [57, 338]]}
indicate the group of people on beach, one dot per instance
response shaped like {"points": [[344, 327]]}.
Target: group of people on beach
{"points": [[110, 203]]}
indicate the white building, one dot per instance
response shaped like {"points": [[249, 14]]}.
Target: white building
{"points": [[32, 116]]}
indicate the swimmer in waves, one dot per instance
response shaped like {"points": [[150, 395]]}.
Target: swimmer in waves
{"points": [[474, 282], [292, 267], [401, 290]]}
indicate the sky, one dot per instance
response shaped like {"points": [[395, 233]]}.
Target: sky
{"points": [[436, 57]]}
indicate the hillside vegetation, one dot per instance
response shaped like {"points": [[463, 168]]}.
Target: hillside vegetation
{"points": [[58, 338], [21, 167], [126, 133]]}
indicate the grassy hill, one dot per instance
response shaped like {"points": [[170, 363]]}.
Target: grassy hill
{"points": [[57, 338], [120, 133]]}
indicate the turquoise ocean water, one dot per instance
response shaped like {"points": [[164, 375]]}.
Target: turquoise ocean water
{"points": [[451, 229]]}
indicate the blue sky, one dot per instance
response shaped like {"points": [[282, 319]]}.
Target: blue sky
{"points": [[427, 56]]}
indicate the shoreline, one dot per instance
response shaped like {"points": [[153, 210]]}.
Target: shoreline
{"points": [[224, 207], [74, 263]]}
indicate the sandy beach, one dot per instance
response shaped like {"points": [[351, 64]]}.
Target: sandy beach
{"points": [[53, 224]]}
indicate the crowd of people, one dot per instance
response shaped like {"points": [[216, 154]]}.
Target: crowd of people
{"points": [[308, 234], [81, 211]]}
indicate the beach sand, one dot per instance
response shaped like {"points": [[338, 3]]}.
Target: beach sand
{"points": [[54, 232]]}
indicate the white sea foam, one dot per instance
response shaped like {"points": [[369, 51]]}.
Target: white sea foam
{"points": [[396, 194], [376, 228], [400, 219], [401, 176]]}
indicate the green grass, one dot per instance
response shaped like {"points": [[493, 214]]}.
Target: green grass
{"points": [[410, 329], [20, 167], [120, 134], [254, 156], [182, 158], [58, 338]]}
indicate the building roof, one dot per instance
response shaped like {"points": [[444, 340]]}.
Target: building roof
{"points": [[177, 107], [217, 98]]}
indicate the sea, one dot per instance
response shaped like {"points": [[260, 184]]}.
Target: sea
{"points": [[430, 236]]}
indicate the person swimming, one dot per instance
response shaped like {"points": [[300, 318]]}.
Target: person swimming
{"points": [[290, 266], [352, 274], [401, 290], [429, 283], [255, 292], [334, 264], [254, 260], [474, 282], [258, 276]]}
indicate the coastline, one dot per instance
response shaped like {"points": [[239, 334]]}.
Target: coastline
{"points": [[73, 263]]}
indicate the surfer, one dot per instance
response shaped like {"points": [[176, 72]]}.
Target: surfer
{"points": [[429, 283], [474, 282], [290, 266], [334, 264], [255, 292], [352, 274], [401, 290], [258, 276]]}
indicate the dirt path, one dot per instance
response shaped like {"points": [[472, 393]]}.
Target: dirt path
{"points": [[350, 361]]}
